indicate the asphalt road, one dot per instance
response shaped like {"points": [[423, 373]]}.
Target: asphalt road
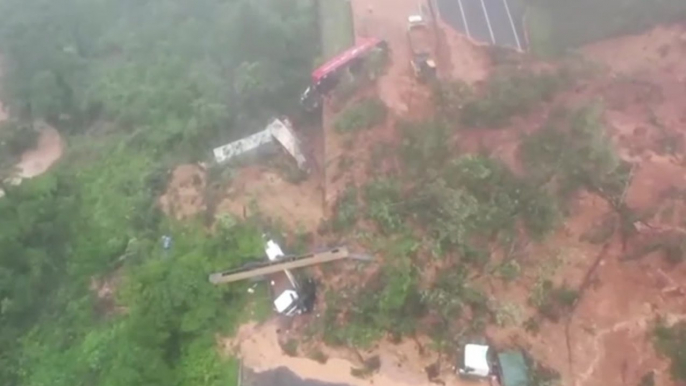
{"points": [[496, 22], [279, 377]]}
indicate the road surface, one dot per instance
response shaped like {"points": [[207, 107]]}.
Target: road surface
{"points": [[495, 22]]}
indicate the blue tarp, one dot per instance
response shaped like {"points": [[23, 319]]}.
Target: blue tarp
{"points": [[166, 242]]}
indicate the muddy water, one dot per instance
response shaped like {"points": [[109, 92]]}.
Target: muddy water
{"points": [[259, 350]]}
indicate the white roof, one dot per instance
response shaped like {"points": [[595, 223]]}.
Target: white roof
{"points": [[273, 250], [288, 140], [233, 149], [285, 300], [476, 360], [415, 19], [277, 130]]}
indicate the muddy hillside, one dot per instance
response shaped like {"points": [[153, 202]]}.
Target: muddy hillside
{"points": [[536, 204]]}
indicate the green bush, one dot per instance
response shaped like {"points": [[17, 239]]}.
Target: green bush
{"points": [[346, 210], [574, 151], [425, 147], [509, 94], [670, 342], [290, 347], [170, 79], [552, 301], [361, 115], [383, 197], [450, 97]]}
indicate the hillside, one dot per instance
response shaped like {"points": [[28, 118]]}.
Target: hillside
{"points": [[576, 268], [535, 203]]}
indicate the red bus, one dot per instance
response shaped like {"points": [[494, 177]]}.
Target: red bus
{"points": [[326, 76]]}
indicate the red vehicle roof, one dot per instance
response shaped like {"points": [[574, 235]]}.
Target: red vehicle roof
{"points": [[344, 57]]}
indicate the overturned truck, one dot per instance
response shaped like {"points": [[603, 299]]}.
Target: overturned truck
{"points": [[278, 133]]}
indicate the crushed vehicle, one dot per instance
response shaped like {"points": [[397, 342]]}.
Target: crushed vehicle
{"points": [[291, 295]]}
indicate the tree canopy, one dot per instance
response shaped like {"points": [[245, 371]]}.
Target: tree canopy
{"points": [[134, 87]]}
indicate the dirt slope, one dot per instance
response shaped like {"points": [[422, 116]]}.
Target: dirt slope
{"points": [[607, 341], [48, 150], [296, 206], [185, 195], [610, 342]]}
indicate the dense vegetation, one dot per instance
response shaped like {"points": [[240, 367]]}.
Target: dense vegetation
{"points": [[508, 93], [361, 115], [183, 73], [670, 341], [134, 87]]}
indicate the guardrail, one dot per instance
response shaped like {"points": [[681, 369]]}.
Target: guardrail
{"points": [[269, 267]]}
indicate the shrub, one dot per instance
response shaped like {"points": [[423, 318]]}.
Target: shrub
{"points": [[361, 115], [450, 98], [383, 196], [425, 146], [512, 93], [346, 210], [504, 196], [318, 356], [670, 342], [574, 150], [509, 270], [540, 375], [369, 367], [290, 347], [552, 302]]}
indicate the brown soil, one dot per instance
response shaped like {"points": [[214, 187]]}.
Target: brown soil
{"points": [[36, 161], [297, 206], [105, 289], [259, 349], [185, 192], [48, 150], [608, 340], [609, 332]]}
